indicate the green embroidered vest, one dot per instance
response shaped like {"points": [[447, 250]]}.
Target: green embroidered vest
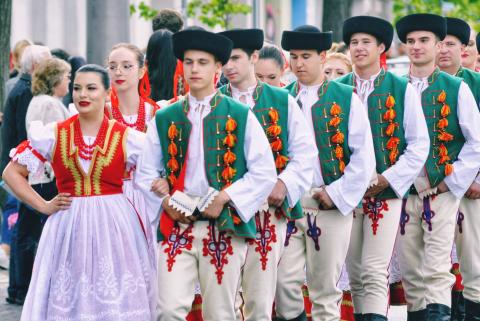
{"points": [[440, 81], [267, 97], [472, 79], [328, 94], [213, 134], [385, 84]]}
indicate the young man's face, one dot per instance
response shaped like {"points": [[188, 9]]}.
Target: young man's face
{"points": [[422, 47], [307, 65], [239, 66], [450, 53], [365, 50], [200, 68]]}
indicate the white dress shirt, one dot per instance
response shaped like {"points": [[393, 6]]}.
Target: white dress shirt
{"points": [[302, 152], [347, 191], [401, 175], [260, 165], [465, 168]]}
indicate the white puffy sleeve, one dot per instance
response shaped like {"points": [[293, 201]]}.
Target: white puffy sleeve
{"points": [[33, 152]]}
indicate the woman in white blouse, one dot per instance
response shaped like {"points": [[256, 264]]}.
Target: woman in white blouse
{"points": [[49, 85]]}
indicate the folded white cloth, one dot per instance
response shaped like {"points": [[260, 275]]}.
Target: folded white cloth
{"points": [[422, 185], [309, 204], [187, 204]]}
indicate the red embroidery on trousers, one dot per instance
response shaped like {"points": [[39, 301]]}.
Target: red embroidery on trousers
{"points": [[218, 247], [264, 237], [176, 242], [373, 208]]}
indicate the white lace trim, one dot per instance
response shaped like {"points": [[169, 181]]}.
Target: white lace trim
{"points": [[26, 158]]}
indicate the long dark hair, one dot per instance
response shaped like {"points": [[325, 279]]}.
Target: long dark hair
{"points": [[161, 64]]}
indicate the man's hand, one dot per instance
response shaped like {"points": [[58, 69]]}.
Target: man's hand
{"points": [[160, 187], [215, 208], [376, 189], [473, 191], [325, 201], [277, 196], [442, 187], [175, 215]]}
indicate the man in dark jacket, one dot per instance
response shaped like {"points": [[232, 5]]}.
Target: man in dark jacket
{"points": [[13, 133]]}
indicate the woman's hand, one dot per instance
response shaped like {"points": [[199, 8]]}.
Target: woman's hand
{"points": [[59, 203], [160, 187]]}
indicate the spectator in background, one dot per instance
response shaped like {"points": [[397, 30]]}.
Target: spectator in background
{"points": [[16, 58], [60, 54], [65, 56], [168, 19], [337, 65], [469, 55], [13, 126], [270, 65], [49, 85], [161, 64], [75, 63], [13, 133], [339, 47]]}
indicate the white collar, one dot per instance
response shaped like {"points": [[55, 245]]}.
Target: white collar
{"points": [[311, 88], [418, 79], [371, 78], [205, 101], [249, 91]]}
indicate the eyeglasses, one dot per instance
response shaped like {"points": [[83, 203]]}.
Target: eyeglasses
{"points": [[125, 68]]}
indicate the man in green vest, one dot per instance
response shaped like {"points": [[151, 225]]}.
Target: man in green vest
{"points": [[401, 143], [337, 120], [294, 152], [467, 236], [212, 150], [449, 58], [427, 224]]}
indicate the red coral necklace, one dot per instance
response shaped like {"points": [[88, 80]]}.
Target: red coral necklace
{"points": [[139, 124], [85, 151]]}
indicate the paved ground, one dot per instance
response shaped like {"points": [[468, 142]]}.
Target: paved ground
{"points": [[9, 312]]}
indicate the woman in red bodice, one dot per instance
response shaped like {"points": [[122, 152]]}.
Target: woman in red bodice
{"points": [[95, 259]]}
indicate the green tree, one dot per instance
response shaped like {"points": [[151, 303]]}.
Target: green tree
{"points": [[216, 12], [468, 10], [209, 12], [144, 10]]}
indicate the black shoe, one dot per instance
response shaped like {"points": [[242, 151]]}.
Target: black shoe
{"points": [[374, 317], [438, 312], [472, 311], [301, 317], [358, 316], [458, 306], [14, 301], [420, 315]]}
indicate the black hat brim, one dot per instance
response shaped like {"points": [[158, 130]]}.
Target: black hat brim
{"points": [[379, 28], [218, 45], [421, 21], [245, 38], [319, 41], [458, 28]]}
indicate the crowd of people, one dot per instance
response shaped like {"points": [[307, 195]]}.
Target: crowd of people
{"points": [[215, 176]]}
